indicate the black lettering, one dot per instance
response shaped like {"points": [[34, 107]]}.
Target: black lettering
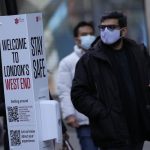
{"points": [[39, 68], [36, 44], [16, 70], [4, 45], [14, 44]]}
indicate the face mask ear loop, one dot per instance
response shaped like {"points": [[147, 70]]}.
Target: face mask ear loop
{"points": [[121, 36]]}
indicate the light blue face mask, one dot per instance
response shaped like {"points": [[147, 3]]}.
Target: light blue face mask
{"points": [[110, 36], [86, 41]]}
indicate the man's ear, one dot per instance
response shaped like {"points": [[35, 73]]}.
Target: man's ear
{"points": [[123, 31], [77, 41]]}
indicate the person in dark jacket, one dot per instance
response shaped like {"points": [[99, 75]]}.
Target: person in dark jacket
{"points": [[111, 87]]}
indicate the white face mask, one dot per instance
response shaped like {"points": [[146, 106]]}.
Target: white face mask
{"points": [[86, 41], [110, 37]]}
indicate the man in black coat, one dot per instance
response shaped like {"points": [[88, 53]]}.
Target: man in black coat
{"points": [[111, 87]]}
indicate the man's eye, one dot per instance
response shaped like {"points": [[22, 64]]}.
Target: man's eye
{"points": [[109, 27]]}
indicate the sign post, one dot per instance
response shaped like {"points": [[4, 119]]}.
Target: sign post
{"points": [[24, 79]]}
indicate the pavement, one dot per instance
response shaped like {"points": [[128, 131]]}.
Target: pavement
{"points": [[73, 138], [146, 146]]}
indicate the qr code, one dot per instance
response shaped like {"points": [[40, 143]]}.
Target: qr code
{"points": [[15, 137], [13, 115]]}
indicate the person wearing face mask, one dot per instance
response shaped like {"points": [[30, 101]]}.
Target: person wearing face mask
{"points": [[84, 37], [111, 86]]}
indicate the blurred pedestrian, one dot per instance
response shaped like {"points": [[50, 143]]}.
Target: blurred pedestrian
{"points": [[110, 86], [84, 37]]}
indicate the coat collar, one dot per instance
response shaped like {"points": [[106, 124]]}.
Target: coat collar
{"points": [[78, 51], [98, 50]]}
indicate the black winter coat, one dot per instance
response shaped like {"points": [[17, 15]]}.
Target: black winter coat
{"points": [[95, 93]]}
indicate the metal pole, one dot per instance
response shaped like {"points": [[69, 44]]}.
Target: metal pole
{"points": [[147, 13]]}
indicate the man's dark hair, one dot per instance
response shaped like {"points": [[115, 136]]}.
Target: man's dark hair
{"points": [[81, 24], [122, 19]]}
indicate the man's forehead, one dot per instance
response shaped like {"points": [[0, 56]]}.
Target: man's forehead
{"points": [[110, 21], [85, 29]]}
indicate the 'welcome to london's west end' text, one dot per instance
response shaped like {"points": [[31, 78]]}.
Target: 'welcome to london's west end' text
{"points": [[17, 74]]}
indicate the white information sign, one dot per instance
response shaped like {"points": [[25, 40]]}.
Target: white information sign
{"points": [[25, 78]]}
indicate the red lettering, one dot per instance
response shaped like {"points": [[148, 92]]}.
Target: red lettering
{"points": [[25, 83], [12, 84]]}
